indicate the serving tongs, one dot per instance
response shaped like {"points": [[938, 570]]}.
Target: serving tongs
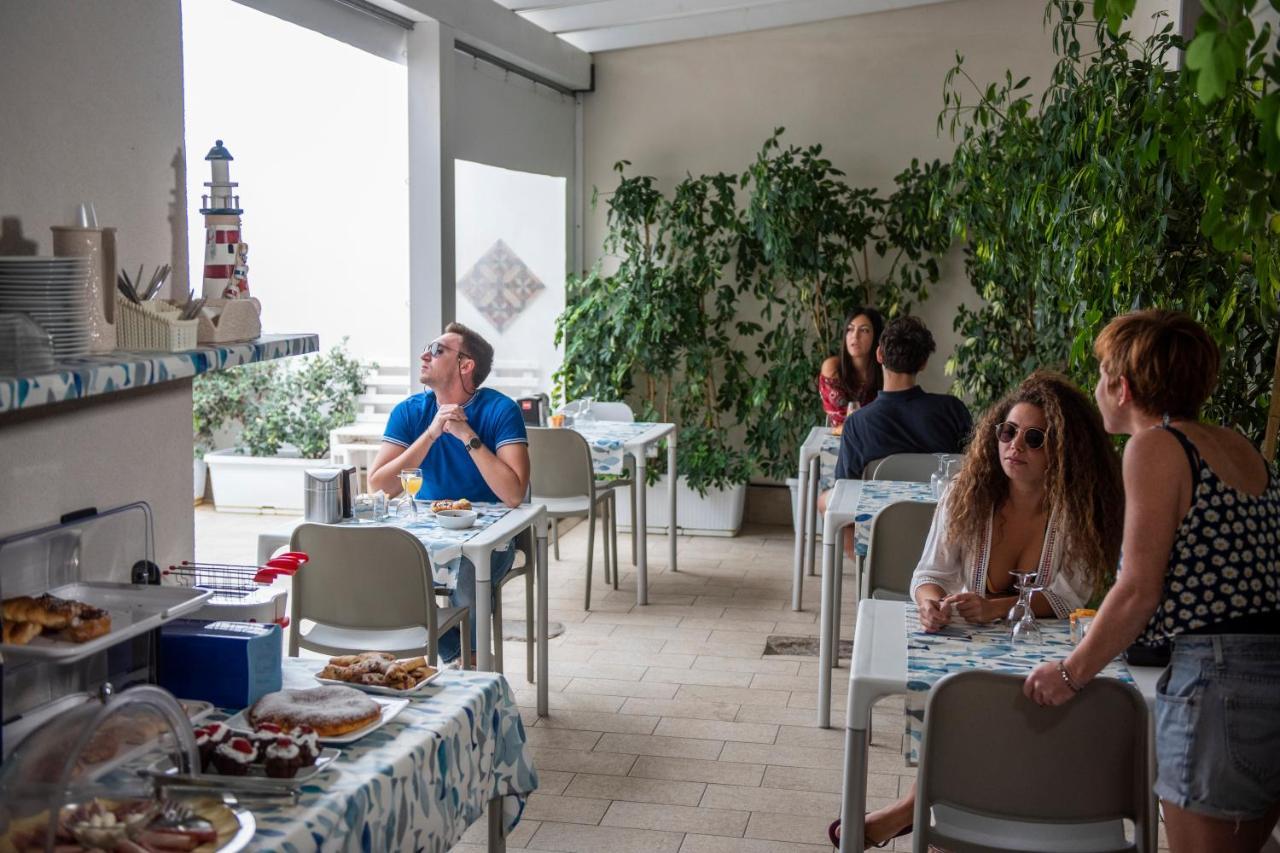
{"points": [[240, 785]]}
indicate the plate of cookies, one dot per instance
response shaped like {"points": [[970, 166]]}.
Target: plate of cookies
{"points": [[379, 673]]}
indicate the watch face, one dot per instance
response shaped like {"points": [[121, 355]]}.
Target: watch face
{"points": [[474, 443]]}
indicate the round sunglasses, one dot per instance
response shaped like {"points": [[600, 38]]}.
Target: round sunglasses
{"points": [[435, 349], [1008, 431]]}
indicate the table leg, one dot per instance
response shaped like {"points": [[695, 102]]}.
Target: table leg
{"points": [[802, 524], [837, 591], [825, 636], [544, 677], [484, 612], [497, 833], [671, 499], [815, 476], [853, 800], [640, 529]]}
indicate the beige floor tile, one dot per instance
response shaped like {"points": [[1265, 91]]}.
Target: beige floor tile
{"points": [[553, 781], [774, 714], [678, 818], [740, 637], [778, 826], [788, 682], [740, 695], [760, 799], [808, 698], [634, 616], [565, 809], [726, 711], [729, 623], [576, 838], [549, 738], [692, 770], [634, 789], [528, 697], [717, 730], [670, 747], [729, 650], [709, 677], [576, 761], [787, 756], [832, 738], [687, 635], [610, 687], [827, 781], [694, 843], [592, 721], [770, 665], [478, 833], [629, 657], [591, 669]]}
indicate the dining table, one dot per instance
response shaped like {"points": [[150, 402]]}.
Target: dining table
{"points": [[819, 453], [456, 752], [612, 444], [893, 655]]}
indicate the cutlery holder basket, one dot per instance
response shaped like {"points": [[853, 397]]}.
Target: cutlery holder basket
{"points": [[233, 320], [153, 326]]}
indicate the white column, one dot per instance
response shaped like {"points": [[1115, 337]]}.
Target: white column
{"points": [[431, 203]]}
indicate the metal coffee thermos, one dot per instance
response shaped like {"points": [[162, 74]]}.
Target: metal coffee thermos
{"points": [[323, 499], [348, 480]]}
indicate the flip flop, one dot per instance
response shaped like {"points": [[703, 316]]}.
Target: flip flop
{"points": [[833, 835]]}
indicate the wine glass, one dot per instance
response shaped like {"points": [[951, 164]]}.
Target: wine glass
{"points": [[411, 482], [1025, 629], [938, 479]]}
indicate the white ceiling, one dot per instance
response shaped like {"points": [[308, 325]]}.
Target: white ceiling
{"points": [[598, 25]]}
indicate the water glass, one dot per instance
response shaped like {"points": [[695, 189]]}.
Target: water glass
{"points": [[363, 508]]}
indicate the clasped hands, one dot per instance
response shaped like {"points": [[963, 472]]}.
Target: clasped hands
{"points": [[935, 613], [450, 418]]}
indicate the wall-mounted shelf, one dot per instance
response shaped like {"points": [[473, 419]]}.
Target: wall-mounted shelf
{"points": [[99, 375]]}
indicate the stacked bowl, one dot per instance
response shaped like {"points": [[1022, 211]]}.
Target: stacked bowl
{"points": [[51, 291]]}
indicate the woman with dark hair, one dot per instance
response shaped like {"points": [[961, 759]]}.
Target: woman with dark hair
{"points": [[1201, 570], [852, 379], [1040, 491]]}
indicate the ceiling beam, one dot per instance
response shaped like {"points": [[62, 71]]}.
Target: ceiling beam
{"points": [[613, 13]]}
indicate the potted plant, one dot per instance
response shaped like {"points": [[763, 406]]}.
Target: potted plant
{"points": [[219, 400], [286, 415]]}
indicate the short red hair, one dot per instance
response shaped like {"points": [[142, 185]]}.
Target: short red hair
{"points": [[1168, 358]]}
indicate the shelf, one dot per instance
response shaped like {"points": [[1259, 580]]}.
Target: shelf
{"points": [[100, 375]]}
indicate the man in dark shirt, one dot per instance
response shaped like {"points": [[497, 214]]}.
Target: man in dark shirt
{"points": [[903, 418]]}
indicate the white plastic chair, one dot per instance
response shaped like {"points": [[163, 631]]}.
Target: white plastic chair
{"points": [[908, 467], [612, 410], [898, 534], [562, 479], [368, 589], [999, 772]]}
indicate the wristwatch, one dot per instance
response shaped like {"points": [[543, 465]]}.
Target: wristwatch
{"points": [[474, 444]]}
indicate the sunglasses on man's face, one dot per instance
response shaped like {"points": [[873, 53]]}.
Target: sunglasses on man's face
{"points": [[435, 349], [1008, 431]]}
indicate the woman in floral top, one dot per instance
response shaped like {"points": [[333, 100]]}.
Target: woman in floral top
{"points": [[851, 379]]}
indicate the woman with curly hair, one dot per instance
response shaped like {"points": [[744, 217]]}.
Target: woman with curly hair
{"points": [[852, 379], [1040, 491]]}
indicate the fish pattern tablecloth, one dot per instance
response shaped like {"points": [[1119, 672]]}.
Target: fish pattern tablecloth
{"points": [[444, 546], [875, 496], [828, 455], [607, 441], [417, 782], [962, 646]]}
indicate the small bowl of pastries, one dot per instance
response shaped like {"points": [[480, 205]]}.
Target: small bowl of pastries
{"points": [[457, 519], [447, 505]]}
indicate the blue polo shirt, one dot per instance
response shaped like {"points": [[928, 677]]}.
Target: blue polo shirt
{"points": [[448, 471]]}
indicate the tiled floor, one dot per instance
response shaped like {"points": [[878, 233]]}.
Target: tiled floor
{"points": [[670, 731]]}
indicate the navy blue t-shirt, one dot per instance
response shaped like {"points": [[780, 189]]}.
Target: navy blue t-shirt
{"points": [[911, 421], [448, 471]]}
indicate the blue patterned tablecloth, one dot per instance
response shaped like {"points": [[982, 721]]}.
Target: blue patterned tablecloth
{"points": [[962, 646], [875, 496], [418, 782], [607, 440], [827, 457], [443, 545]]}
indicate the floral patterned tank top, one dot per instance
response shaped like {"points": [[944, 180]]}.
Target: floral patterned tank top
{"points": [[1225, 561]]}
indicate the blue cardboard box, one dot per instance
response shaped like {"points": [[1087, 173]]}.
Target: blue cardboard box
{"points": [[231, 664]]}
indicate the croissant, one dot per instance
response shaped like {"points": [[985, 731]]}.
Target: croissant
{"points": [[90, 624], [20, 633], [48, 611]]}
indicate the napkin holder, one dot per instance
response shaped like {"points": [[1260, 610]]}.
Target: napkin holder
{"points": [[225, 321], [152, 325]]}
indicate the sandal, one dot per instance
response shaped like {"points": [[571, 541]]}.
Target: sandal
{"points": [[833, 835]]}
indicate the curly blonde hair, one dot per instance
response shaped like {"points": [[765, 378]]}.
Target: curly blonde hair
{"points": [[1083, 488]]}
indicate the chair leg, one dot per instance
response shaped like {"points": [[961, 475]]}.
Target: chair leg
{"points": [[528, 623], [497, 629], [555, 536], [613, 536], [464, 631], [634, 488], [604, 531], [591, 547]]}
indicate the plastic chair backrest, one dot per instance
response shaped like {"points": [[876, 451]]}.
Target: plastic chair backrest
{"points": [[560, 464], [612, 411], [898, 534], [368, 578], [909, 467], [989, 750]]}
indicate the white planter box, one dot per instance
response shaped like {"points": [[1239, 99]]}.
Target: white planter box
{"points": [[717, 514], [201, 475], [258, 483]]}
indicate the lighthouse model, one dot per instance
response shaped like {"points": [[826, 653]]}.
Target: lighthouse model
{"points": [[225, 256]]}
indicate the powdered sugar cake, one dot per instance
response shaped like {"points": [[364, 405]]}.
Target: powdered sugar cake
{"points": [[331, 710]]}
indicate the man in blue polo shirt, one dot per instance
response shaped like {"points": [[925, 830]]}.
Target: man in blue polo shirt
{"points": [[470, 442]]}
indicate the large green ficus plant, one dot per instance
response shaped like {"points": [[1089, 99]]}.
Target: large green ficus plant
{"points": [[1120, 189]]}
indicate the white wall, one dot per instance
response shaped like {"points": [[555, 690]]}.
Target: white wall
{"points": [[868, 88], [92, 107]]}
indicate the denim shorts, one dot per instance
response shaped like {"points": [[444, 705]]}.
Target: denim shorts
{"points": [[1218, 726]]}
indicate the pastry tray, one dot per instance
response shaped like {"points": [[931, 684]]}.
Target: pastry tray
{"points": [[256, 779], [135, 609], [389, 709], [380, 689]]}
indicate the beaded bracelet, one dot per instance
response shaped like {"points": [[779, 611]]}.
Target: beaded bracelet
{"points": [[1062, 670]]}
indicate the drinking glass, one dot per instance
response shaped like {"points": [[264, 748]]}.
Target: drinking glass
{"points": [[585, 415], [411, 481], [1025, 629], [938, 479]]}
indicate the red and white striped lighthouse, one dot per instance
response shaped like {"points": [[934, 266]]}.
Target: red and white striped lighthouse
{"points": [[225, 253]]}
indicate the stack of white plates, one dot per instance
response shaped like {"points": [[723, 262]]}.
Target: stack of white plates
{"points": [[52, 292]]}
